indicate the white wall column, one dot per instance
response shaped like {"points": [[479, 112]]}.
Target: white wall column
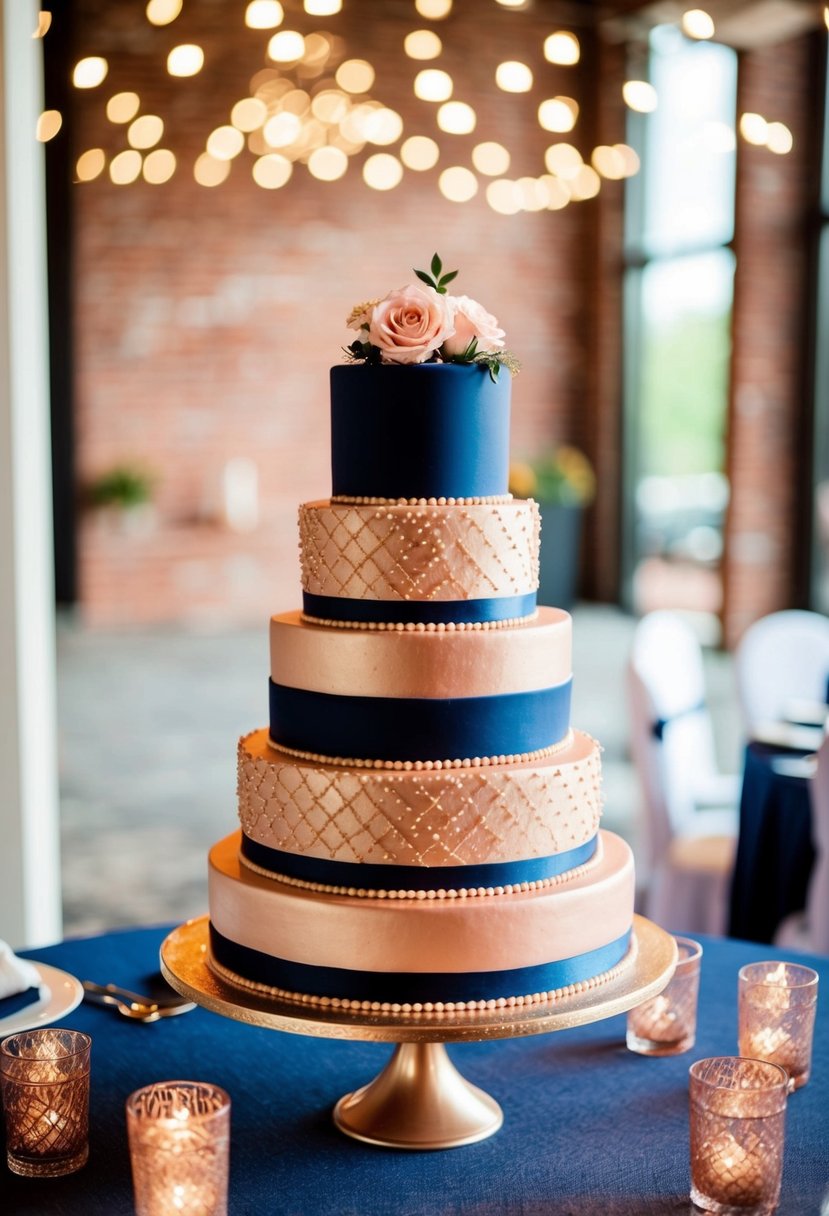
{"points": [[30, 900]]}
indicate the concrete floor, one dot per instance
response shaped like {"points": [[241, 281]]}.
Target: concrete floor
{"points": [[148, 723]]}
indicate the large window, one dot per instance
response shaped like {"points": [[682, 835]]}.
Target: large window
{"points": [[820, 528], [678, 297]]}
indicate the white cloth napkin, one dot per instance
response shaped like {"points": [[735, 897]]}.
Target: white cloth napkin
{"points": [[16, 974]]}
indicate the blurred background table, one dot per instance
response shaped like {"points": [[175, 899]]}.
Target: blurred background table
{"points": [[775, 850], [589, 1127]]}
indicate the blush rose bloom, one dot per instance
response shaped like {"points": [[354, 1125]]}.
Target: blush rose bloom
{"points": [[409, 325], [472, 321]]}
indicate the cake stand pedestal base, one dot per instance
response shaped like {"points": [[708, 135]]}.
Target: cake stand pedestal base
{"points": [[419, 1101]]}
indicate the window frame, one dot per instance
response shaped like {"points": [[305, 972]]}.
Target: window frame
{"points": [[636, 258]]}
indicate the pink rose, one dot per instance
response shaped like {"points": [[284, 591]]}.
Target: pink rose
{"points": [[360, 315], [472, 321], [409, 325]]}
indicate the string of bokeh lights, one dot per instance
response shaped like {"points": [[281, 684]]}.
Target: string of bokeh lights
{"points": [[312, 105]]}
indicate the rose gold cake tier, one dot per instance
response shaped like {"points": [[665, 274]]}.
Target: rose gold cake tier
{"points": [[584, 914], [418, 664], [652, 959], [436, 818], [399, 552]]}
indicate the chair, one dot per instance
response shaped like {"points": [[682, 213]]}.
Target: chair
{"points": [[781, 658], [810, 930], [690, 808]]}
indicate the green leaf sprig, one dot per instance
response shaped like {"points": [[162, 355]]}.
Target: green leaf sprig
{"points": [[436, 279]]}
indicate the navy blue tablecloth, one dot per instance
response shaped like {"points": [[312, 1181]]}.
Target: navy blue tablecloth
{"points": [[775, 852], [589, 1127]]}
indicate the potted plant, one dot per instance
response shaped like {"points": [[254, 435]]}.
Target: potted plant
{"points": [[563, 484], [122, 496]]}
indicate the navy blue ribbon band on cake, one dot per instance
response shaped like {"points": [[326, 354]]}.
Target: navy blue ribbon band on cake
{"points": [[413, 878], [420, 612], [409, 987], [418, 728]]}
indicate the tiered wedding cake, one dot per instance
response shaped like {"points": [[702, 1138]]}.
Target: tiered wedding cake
{"points": [[419, 824]]}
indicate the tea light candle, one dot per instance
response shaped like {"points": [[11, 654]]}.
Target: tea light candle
{"points": [[45, 1081], [776, 996], [666, 1024], [768, 1042], [737, 1109], [659, 1020], [731, 1172], [179, 1135], [777, 1004]]}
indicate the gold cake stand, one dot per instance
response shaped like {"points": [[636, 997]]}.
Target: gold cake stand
{"points": [[419, 1100]]}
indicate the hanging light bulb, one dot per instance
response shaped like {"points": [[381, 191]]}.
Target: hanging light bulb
{"points": [[639, 95], [382, 171], [90, 164], [159, 166], [779, 138], [422, 44], [264, 14], [185, 60], [419, 152], [458, 184], [123, 107], [513, 77], [490, 159], [696, 23], [434, 10], [456, 118], [562, 48], [754, 128], [433, 85], [48, 125], [88, 73], [162, 12]]}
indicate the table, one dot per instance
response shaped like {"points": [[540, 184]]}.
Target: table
{"points": [[775, 852], [589, 1127]]}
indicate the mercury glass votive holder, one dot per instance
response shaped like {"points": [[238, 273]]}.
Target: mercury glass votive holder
{"points": [[44, 1076], [179, 1137], [666, 1025], [738, 1115], [777, 1005]]}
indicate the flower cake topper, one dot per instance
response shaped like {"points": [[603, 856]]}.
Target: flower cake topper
{"points": [[421, 323]]}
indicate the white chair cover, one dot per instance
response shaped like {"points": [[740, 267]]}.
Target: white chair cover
{"points": [[781, 658], [689, 849]]}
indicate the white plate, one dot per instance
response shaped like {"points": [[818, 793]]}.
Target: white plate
{"points": [[60, 993]]}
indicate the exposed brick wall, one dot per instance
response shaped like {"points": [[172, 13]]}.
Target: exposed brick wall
{"points": [[601, 429], [775, 201], [206, 320]]}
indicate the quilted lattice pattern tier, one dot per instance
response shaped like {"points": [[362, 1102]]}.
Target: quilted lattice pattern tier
{"points": [[439, 818], [425, 553]]}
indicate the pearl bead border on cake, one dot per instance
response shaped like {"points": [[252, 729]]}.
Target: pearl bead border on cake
{"points": [[367, 500], [420, 626], [426, 765], [554, 880], [428, 1008]]}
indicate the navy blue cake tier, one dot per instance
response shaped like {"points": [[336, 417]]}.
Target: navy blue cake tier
{"points": [[430, 430]]}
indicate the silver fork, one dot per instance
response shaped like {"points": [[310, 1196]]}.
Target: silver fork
{"points": [[133, 1004]]}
